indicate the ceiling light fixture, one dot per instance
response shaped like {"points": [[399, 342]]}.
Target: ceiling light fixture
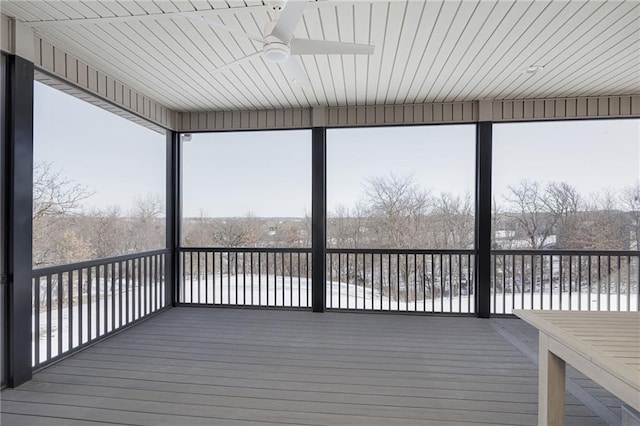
{"points": [[532, 69]]}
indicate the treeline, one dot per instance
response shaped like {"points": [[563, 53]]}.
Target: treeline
{"points": [[64, 233], [392, 212], [395, 212]]}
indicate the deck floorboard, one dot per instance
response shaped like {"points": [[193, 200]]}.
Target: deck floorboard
{"points": [[198, 366]]}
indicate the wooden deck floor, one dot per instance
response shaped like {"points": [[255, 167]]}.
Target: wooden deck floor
{"points": [[199, 366]]}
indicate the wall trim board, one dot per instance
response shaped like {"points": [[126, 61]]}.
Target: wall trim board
{"points": [[414, 114]]}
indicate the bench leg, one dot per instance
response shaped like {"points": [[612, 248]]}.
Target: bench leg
{"points": [[551, 378]]}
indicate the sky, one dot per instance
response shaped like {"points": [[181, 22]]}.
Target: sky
{"points": [[114, 158], [268, 173]]}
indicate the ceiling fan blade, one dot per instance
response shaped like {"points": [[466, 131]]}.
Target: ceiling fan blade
{"points": [[301, 46], [289, 19], [220, 26], [293, 68], [234, 63]]}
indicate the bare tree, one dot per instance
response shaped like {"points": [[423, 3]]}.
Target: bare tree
{"points": [[346, 225], [146, 226], [537, 210], [601, 225], [399, 207], [527, 202], [54, 194], [453, 216], [235, 231], [107, 232], [630, 199], [563, 202], [55, 197]]}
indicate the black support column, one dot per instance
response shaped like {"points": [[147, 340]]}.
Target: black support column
{"points": [[318, 216], [174, 217], [483, 219], [18, 193]]}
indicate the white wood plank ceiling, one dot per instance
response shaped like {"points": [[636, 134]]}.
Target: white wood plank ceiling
{"points": [[434, 51]]}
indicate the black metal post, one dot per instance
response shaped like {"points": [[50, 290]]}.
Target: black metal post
{"points": [[483, 219], [318, 217], [3, 246], [174, 217], [18, 192]]}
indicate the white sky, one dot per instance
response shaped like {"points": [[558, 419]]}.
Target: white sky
{"points": [[112, 156], [269, 173]]}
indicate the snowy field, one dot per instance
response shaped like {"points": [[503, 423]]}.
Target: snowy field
{"points": [[284, 291], [106, 316]]}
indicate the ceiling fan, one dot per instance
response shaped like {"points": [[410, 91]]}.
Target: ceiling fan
{"points": [[279, 45]]}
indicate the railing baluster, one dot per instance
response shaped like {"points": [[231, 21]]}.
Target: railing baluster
{"points": [[470, 287], [206, 277], [339, 280], [599, 279], [618, 290], [355, 277], [80, 306], [120, 294], [551, 282], [590, 276], [70, 311], [389, 284], [267, 266], [423, 272], [331, 280], [214, 292], [629, 283], [415, 283], [299, 282], [156, 284], [513, 282], [228, 272], [199, 277], [89, 304], [235, 263], [433, 285], [127, 274], [397, 282], [533, 285], [36, 323], [140, 283], [579, 282], [260, 279], [406, 281], [541, 282], [49, 325], [570, 282], [608, 283], [307, 277], [59, 314], [504, 284], [113, 296]]}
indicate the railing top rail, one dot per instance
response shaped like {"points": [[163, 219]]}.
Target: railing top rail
{"points": [[328, 250], [399, 251], [548, 252], [49, 270], [246, 249]]}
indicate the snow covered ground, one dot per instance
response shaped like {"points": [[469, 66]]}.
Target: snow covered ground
{"points": [[114, 319], [284, 291]]}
